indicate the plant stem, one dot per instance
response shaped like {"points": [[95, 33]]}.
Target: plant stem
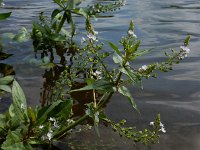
{"points": [[62, 133]]}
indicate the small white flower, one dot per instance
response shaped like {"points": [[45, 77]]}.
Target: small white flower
{"points": [[22, 106], [131, 33], [92, 37], [52, 119], [50, 135], [161, 125], [2, 4], [151, 123], [55, 124], [70, 121], [143, 68], [185, 49], [97, 74], [163, 130], [41, 127]]}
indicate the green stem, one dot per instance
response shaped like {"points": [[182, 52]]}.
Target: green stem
{"points": [[62, 133]]}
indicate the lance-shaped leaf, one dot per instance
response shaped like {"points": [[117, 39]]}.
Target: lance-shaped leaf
{"points": [[117, 59], [98, 85], [4, 15], [56, 109], [5, 88], [19, 103], [6, 80], [115, 48], [124, 91], [133, 76]]}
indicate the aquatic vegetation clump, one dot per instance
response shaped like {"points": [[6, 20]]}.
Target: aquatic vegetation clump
{"points": [[85, 82]]}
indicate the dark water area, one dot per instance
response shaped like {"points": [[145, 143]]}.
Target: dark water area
{"points": [[175, 95]]}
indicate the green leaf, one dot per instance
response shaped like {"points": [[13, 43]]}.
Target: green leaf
{"points": [[14, 140], [98, 85], [117, 58], [5, 88], [115, 48], [4, 15], [56, 109], [55, 13], [19, 103], [124, 91], [22, 36], [57, 38], [81, 11], [187, 40], [133, 76], [6, 80], [142, 52]]}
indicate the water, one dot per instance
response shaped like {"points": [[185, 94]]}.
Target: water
{"points": [[175, 95]]}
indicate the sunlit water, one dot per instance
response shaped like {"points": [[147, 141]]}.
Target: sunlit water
{"points": [[175, 95]]}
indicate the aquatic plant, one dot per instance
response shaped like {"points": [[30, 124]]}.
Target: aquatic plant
{"points": [[85, 72]]}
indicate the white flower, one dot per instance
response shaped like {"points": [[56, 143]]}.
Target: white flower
{"points": [[97, 74], [185, 49], [131, 33], [52, 119], [143, 68], [41, 127], [70, 121], [50, 135], [2, 4], [151, 123], [161, 125], [55, 124], [23, 106], [184, 52], [163, 130], [92, 37]]}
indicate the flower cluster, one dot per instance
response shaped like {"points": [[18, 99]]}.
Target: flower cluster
{"points": [[55, 122], [131, 33], [48, 136], [184, 51], [162, 128], [143, 68], [97, 74]]}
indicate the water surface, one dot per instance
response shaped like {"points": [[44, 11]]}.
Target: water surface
{"points": [[176, 95]]}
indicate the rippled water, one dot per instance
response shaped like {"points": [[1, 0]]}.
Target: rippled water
{"points": [[176, 95]]}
